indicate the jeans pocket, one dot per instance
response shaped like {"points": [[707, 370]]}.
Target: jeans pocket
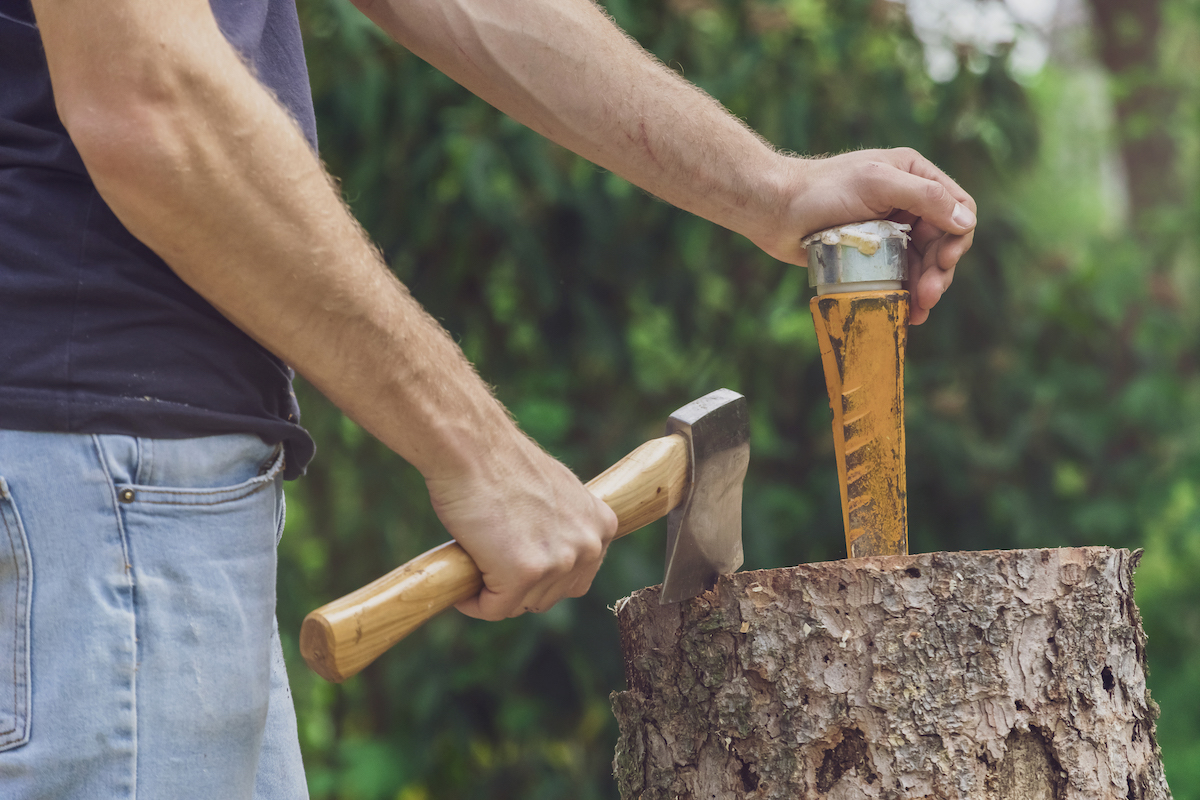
{"points": [[16, 579], [156, 495]]}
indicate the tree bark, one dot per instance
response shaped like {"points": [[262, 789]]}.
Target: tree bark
{"points": [[990, 676]]}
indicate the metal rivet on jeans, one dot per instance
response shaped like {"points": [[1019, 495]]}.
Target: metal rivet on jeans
{"points": [[126, 495]]}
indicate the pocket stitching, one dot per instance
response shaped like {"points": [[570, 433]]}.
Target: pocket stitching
{"points": [[186, 493], [237, 492], [19, 733]]}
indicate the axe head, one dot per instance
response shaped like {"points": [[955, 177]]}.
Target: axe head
{"points": [[704, 532]]}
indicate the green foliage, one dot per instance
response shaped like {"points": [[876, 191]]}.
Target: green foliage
{"points": [[1169, 596], [1053, 398]]}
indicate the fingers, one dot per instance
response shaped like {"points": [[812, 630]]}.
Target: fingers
{"points": [[917, 187], [952, 248], [903, 186], [899, 185], [926, 290], [537, 535], [929, 278], [942, 231], [911, 162], [537, 589], [923, 234], [933, 257], [531, 589]]}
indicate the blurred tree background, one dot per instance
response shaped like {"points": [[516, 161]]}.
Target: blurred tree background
{"points": [[1053, 397]]}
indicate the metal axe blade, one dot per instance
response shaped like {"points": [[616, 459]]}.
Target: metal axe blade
{"points": [[704, 532]]}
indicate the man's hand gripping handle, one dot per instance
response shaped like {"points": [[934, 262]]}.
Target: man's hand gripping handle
{"points": [[341, 638]]}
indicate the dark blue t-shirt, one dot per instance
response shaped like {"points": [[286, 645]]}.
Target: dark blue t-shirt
{"points": [[97, 334]]}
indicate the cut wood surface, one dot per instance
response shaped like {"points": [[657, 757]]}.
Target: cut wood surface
{"points": [[983, 675]]}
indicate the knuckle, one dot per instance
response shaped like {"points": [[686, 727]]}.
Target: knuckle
{"points": [[529, 571], [869, 181], [937, 194], [611, 525], [591, 551]]}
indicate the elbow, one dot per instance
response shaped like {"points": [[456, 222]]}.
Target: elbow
{"points": [[135, 153], [121, 138], [138, 145], [140, 101], [124, 82]]}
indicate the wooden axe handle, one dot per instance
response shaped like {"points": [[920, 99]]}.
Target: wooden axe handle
{"points": [[340, 638]]}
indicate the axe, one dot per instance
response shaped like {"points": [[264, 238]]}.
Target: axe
{"points": [[693, 475]]}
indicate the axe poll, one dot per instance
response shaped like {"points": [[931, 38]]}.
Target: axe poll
{"points": [[693, 475]]}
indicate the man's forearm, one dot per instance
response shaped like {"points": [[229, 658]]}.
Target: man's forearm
{"points": [[201, 164], [562, 68]]}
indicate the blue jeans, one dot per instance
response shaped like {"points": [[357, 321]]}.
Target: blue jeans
{"points": [[139, 655]]}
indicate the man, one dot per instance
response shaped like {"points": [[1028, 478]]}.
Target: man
{"points": [[171, 241]]}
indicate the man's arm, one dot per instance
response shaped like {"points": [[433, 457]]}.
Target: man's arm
{"points": [[564, 69], [206, 168]]}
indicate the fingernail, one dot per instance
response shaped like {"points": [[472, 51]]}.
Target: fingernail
{"points": [[962, 216]]}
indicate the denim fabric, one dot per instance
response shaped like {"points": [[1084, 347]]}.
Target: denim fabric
{"points": [[139, 655]]}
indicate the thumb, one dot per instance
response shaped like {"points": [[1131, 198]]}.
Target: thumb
{"points": [[910, 183], [926, 199]]}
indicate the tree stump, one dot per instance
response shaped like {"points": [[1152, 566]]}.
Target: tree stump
{"points": [[1015, 675]]}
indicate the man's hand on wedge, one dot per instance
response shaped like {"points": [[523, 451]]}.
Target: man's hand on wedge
{"points": [[564, 69], [900, 185]]}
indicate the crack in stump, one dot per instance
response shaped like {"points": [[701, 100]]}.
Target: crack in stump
{"points": [[849, 754]]}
